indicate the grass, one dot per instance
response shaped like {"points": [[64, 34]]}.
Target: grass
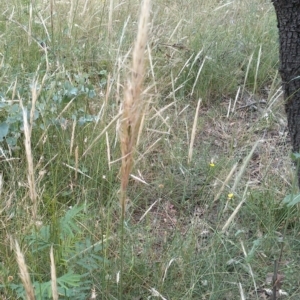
{"points": [[198, 153]]}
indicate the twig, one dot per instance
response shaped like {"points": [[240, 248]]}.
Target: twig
{"points": [[252, 104], [274, 280]]}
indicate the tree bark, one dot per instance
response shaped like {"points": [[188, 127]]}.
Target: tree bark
{"points": [[288, 18]]}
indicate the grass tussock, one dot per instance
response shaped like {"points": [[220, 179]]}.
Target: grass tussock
{"points": [[184, 99]]}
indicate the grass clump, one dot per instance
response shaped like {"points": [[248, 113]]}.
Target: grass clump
{"points": [[221, 49], [185, 126]]}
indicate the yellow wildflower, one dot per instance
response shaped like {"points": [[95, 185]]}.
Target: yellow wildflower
{"points": [[230, 195]]}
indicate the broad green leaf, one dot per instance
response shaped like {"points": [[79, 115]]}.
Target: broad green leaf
{"points": [[291, 200], [295, 156], [3, 130], [69, 279]]}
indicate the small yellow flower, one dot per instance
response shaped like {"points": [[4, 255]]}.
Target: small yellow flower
{"points": [[212, 163], [230, 195]]}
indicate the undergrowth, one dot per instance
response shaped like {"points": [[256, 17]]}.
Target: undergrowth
{"points": [[204, 212]]}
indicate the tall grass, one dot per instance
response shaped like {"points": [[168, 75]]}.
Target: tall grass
{"points": [[133, 105], [132, 113], [109, 108]]}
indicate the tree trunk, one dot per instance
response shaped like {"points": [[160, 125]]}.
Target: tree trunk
{"points": [[288, 18]]}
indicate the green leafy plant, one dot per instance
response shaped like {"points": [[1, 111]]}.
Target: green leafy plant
{"points": [[55, 95], [76, 258]]}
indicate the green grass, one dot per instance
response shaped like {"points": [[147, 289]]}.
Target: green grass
{"points": [[173, 244]]}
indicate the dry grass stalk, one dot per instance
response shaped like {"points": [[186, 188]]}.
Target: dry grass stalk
{"points": [[242, 294], [146, 212], [198, 74], [234, 213], [72, 136], [236, 99], [151, 67], [256, 71], [244, 166], [57, 118], [149, 149], [159, 113], [186, 64], [76, 163], [225, 182], [133, 106], [53, 276], [71, 18], [249, 266], [45, 28], [29, 24], [51, 18], [141, 127], [24, 274], [101, 134], [108, 89], [29, 157], [35, 92], [77, 170], [1, 182], [110, 17], [247, 73], [108, 150], [84, 8], [168, 266], [190, 156]]}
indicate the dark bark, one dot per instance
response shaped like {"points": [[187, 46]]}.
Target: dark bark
{"points": [[288, 18]]}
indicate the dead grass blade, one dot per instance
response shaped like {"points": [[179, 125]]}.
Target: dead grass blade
{"points": [[256, 71], [243, 168], [242, 292], [110, 18], [249, 266], [24, 274], [108, 150], [190, 156], [72, 136], [101, 134], [1, 182], [247, 73], [30, 24], [234, 213], [146, 212], [53, 276], [29, 157], [225, 182]]}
